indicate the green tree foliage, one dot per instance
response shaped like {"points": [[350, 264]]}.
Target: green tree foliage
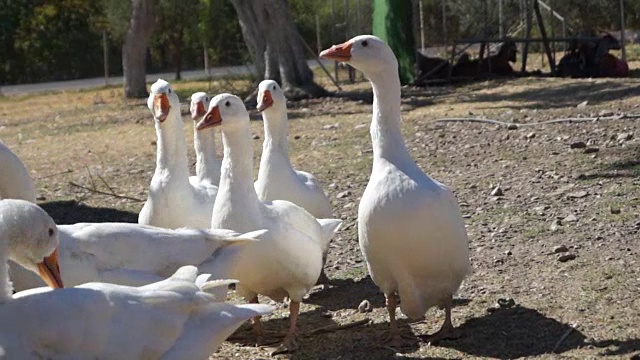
{"points": [[60, 40], [11, 61]]}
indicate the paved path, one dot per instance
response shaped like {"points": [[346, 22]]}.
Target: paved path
{"points": [[98, 82]]}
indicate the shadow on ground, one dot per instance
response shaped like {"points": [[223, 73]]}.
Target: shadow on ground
{"points": [[71, 212], [513, 333], [560, 96]]}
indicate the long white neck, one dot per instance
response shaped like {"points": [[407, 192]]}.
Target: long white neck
{"points": [[207, 164], [386, 136], [276, 129], [237, 204], [171, 154], [6, 287], [275, 148]]}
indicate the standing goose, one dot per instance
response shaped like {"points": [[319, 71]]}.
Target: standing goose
{"points": [[173, 202], [410, 228], [286, 262], [204, 142], [171, 319], [128, 254], [277, 179]]}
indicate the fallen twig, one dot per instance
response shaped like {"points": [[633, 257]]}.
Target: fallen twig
{"points": [[68, 171], [96, 191], [553, 121], [336, 327], [564, 336]]}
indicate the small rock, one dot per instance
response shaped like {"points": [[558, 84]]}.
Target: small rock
{"points": [[582, 105], [615, 211], [512, 127], [566, 257], [330, 127], [153, 143], [591, 150], [506, 303], [530, 135], [577, 194], [343, 194], [255, 137], [624, 137], [41, 198], [497, 191], [555, 225], [297, 137], [560, 249], [365, 306], [508, 253], [570, 218], [578, 145]]}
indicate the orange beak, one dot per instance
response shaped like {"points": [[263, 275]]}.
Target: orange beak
{"points": [[211, 118], [50, 270], [197, 110], [266, 101], [340, 52], [161, 107]]}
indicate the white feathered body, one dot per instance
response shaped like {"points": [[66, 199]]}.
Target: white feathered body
{"points": [[285, 262], [277, 180], [413, 237], [171, 319], [127, 254], [15, 181]]}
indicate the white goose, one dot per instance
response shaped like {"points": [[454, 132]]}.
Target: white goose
{"points": [[286, 262], [15, 181], [171, 319], [204, 142], [129, 254], [277, 179], [173, 202], [410, 227]]}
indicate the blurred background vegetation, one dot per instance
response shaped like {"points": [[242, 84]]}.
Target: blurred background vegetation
{"points": [[50, 40]]}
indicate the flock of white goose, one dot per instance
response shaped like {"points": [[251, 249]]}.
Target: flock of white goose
{"points": [[156, 290]]}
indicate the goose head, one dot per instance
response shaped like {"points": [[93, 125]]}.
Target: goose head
{"points": [[366, 53], [226, 111], [31, 238], [199, 105], [270, 96], [162, 99]]}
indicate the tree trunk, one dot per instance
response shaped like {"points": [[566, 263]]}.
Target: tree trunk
{"points": [[276, 46], [134, 49]]}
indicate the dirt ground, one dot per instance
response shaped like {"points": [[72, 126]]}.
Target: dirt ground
{"points": [[555, 253]]}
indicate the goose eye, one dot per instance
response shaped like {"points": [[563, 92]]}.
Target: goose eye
{"points": [[169, 91], [227, 103], [365, 43], [274, 87], [51, 232]]}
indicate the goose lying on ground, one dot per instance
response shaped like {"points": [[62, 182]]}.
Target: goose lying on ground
{"points": [[286, 262], [15, 181], [171, 319], [410, 228], [173, 202], [204, 142], [129, 254], [277, 179]]}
